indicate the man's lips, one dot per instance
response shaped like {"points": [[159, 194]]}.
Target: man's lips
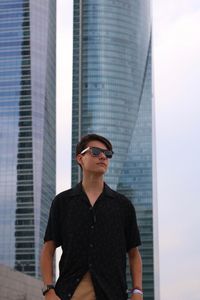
{"points": [[101, 164]]}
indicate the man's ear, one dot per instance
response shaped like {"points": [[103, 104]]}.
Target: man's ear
{"points": [[79, 159]]}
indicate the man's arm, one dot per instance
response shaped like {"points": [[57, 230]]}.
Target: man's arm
{"points": [[46, 265], [135, 262]]}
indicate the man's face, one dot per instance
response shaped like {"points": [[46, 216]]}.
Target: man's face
{"points": [[94, 164]]}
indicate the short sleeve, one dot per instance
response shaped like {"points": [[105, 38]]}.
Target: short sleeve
{"points": [[53, 229], [131, 230]]}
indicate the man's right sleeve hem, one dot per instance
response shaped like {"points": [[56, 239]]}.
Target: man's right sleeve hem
{"points": [[57, 244]]}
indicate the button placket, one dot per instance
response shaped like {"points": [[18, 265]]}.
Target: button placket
{"points": [[91, 245]]}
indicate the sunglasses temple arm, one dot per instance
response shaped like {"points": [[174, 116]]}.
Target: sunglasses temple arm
{"points": [[85, 150]]}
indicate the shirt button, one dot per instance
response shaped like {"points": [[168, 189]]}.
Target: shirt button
{"points": [[90, 265], [77, 279], [91, 245], [69, 295], [92, 226]]}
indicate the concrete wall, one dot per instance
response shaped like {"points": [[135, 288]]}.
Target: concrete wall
{"points": [[15, 285]]}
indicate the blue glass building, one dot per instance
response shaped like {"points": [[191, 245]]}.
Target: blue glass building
{"points": [[112, 96], [27, 129]]}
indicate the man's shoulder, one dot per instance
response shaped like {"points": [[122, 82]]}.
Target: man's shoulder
{"points": [[67, 194], [121, 198]]}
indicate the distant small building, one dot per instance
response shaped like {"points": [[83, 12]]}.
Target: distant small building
{"points": [[15, 285]]}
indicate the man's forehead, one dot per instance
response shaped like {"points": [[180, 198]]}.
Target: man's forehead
{"points": [[96, 143]]}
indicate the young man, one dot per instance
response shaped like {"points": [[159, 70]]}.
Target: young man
{"points": [[96, 227]]}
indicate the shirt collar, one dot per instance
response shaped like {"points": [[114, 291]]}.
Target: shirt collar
{"points": [[78, 190]]}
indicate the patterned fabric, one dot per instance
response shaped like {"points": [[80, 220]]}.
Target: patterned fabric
{"points": [[93, 238]]}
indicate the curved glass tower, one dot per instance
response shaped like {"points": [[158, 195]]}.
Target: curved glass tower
{"points": [[112, 96], [27, 129]]}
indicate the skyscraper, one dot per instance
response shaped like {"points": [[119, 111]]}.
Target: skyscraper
{"points": [[112, 96], [27, 128]]}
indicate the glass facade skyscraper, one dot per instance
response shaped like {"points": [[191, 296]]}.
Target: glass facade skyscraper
{"points": [[112, 96], [27, 129]]}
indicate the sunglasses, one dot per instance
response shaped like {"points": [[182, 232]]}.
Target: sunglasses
{"points": [[95, 151]]}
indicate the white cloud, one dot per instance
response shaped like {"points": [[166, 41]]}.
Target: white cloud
{"points": [[64, 92], [177, 94], [166, 13]]}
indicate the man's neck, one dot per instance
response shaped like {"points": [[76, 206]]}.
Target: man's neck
{"points": [[93, 187], [93, 184]]}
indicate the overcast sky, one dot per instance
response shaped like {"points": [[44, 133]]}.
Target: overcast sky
{"points": [[176, 54]]}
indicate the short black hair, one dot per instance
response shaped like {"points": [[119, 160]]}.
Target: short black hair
{"points": [[92, 137]]}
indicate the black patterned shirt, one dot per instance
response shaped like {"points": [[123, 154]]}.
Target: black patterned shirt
{"points": [[93, 238]]}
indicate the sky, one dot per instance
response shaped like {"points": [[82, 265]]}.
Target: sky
{"points": [[176, 73]]}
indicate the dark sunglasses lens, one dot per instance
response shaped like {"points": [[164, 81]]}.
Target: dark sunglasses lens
{"points": [[108, 153], [95, 151]]}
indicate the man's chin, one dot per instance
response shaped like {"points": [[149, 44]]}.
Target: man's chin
{"points": [[101, 171]]}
